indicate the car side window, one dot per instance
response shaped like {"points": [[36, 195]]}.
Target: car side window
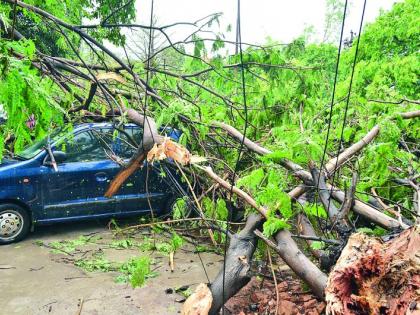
{"points": [[134, 136], [96, 144], [83, 147], [121, 143]]}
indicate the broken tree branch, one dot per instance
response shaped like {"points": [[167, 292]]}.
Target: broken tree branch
{"points": [[286, 246], [323, 193], [238, 259], [297, 261], [349, 200]]}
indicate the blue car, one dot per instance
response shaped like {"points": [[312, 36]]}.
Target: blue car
{"points": [[35, 191]]}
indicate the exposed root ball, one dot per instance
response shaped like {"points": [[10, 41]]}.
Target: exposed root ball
{"points": [[373, 277]]}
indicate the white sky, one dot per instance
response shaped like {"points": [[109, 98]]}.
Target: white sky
{"points": [[282, 20]]}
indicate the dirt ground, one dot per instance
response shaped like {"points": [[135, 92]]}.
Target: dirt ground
{"points": [[36, 280]]}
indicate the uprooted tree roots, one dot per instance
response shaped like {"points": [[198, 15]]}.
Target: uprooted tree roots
{"points": [[373, 276]]}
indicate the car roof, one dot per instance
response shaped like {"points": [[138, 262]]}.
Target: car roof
{"points": [[84, 126]]}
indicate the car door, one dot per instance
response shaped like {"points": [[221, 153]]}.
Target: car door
{"points": [[141, 189], [77, 189]]}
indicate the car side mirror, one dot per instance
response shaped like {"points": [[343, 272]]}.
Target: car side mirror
{"points": [[59, 156]]}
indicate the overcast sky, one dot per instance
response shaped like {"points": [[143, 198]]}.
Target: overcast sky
{"points": [[282, 20]]}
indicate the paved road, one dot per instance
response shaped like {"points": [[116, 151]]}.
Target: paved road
{"points": [[33, 280]]}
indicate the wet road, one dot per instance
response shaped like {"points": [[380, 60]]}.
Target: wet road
{"points": [[34, 280]]}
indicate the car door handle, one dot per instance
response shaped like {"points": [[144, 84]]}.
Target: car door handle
{"points": [[101, 177]]}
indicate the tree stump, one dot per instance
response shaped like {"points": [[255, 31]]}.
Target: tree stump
{"points": [[376, 277]]}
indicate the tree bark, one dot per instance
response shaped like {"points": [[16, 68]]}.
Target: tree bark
{"points": [[286, 246], [236, 274], [298, 262]]}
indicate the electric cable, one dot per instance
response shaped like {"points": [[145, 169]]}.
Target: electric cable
{"points": [[239, 38]]}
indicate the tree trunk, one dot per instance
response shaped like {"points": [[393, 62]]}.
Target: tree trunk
{"points": [[235, 275]]}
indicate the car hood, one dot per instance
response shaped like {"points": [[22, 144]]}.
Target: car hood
{"points": [[8, 164], [7, 161]]}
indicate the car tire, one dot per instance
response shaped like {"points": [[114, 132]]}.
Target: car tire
{"points": [[14, 223]]}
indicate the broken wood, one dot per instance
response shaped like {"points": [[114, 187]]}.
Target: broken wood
{"points": [[323, 193], [409, 115], [369, 212], [305, 228], [331, 165], [169, 149], [349, 199], [171, 261], [359, 207], [376, 277], [123, 175], [150, 138], [199, 302], [342, 158]]}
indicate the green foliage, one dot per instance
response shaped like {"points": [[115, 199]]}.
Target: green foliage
{"points": [[23, 92], [97, 263], [290, 107], [136, 271], [74, 12], [317, 245], [164, 247], [289, 87], [184, 292], [272, 225], [315, 210], [377, 231], [70, 246], [180, 208], [176, 242], [122, 244], [252, 180], [215, 210]]}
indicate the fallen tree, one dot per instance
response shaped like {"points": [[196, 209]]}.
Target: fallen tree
{"points": [[103, 92], [286, 247]]}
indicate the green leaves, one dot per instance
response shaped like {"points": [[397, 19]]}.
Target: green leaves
{"points": [[275, 199], [137, 270], [272, 225], [315, 210], [252, 181], [180, 209], [177, 241], [23, 92]]}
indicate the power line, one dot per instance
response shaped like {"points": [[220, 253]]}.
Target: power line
{"points": [[239, 45], [333, 96], [348, 98]]}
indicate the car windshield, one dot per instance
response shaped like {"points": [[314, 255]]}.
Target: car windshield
{"points": [[34, 149]]}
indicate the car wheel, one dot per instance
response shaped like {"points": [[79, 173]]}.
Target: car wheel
{"points": [[14, 223]]}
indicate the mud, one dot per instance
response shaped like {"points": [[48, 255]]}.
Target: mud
{"points": [[34, 280]]}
